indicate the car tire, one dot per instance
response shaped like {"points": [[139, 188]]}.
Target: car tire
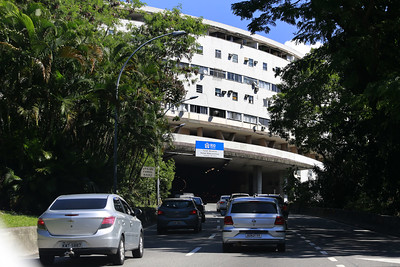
{"points": [[226, 247], [46, 259], [281, 247], [119, 257], [138, 253]]}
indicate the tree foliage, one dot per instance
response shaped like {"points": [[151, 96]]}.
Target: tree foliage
{"points": [[59, 62], [342, 99]]}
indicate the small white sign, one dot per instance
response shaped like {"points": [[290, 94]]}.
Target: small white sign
{"points": [[149, 172]]}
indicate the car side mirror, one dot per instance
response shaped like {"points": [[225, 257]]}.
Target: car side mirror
{"points": [[137, 212]]}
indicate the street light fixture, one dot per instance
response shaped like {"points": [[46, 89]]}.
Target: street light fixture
{"points": [[173, 34]]}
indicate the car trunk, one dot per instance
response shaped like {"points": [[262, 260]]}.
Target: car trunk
{"points": [[80, 222], [248, 220], [174, 213]]}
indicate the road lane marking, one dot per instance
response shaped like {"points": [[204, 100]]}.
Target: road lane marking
{"points": [[340, 265], [312, 244], [317, 248], [396, 260], [324, 252], [332, 259], [193, 251], [212, 236]]}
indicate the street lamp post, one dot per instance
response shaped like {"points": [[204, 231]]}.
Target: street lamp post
{"points": [[174, 34]]}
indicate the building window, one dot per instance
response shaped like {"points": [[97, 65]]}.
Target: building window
{"points": [[217, 112], [249, 119], [234, 77], [264, 85], [218, 92], [251, 99], [234, 58], [200, 69], [218, 73], [199, 50], [267, 102], [199, 88], [263, 121], [265, 66], [234, 96], [275, 88], [198, 109], [217, 53], [249, 80], [251, 62], [234, 116]]}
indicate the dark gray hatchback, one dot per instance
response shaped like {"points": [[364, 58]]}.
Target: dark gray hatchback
{"points": [[178, 213]]}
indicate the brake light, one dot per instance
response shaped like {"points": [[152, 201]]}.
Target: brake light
{"points": [[107, 222], [228, 220], [222, 202], [41, 224], [160, 212], [279, 220], [193, 212]]}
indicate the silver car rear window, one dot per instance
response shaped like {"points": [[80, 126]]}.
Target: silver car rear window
{"points": [[253, 207], [79, 204], [177, 204]]}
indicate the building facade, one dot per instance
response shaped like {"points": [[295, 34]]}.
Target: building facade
{"points": [[234, 88]]}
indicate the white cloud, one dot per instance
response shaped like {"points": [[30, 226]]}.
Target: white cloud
{"points": [[301, 47]]}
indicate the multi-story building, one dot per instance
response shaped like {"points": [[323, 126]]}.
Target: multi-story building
{"points": [[234, 88]]}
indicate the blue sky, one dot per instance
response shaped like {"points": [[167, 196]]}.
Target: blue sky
{"points": [[220, 11]]}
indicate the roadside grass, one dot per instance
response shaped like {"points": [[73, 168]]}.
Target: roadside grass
{"points": [[9, 219]]}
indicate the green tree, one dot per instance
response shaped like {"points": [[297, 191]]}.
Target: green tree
{"points": [[342, 100], [59, 61]]}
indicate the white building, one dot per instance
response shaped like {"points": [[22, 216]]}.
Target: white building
{"points": [[235, 85]]}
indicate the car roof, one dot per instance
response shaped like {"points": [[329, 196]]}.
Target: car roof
{"points": [[178, 199], [247, 199], [92, 195]]}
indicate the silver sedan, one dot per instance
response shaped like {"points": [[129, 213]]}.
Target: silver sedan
{"points": [[85, 224], [254, 221]]}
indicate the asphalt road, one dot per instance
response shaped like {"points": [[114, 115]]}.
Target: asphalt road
{"points": [[311, 241]]}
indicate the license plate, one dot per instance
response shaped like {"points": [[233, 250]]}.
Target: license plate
{"points": [[71, 244], [253, 235]]}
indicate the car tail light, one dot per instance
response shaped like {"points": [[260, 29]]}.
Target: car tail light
{"points": [[228, 220], [222, 202], [41, 224], [279, 220], [160, 212], [107, 222], [193, 212]]}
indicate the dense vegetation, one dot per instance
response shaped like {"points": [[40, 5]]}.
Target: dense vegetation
{"points": [[343, 99], [59, 62]]}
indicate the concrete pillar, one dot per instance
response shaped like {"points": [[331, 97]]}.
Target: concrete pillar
{"points": [[248, 139], [257, 179], [219, 135], [200, 131], [271, 143], [263, 142], [232, 137]]}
